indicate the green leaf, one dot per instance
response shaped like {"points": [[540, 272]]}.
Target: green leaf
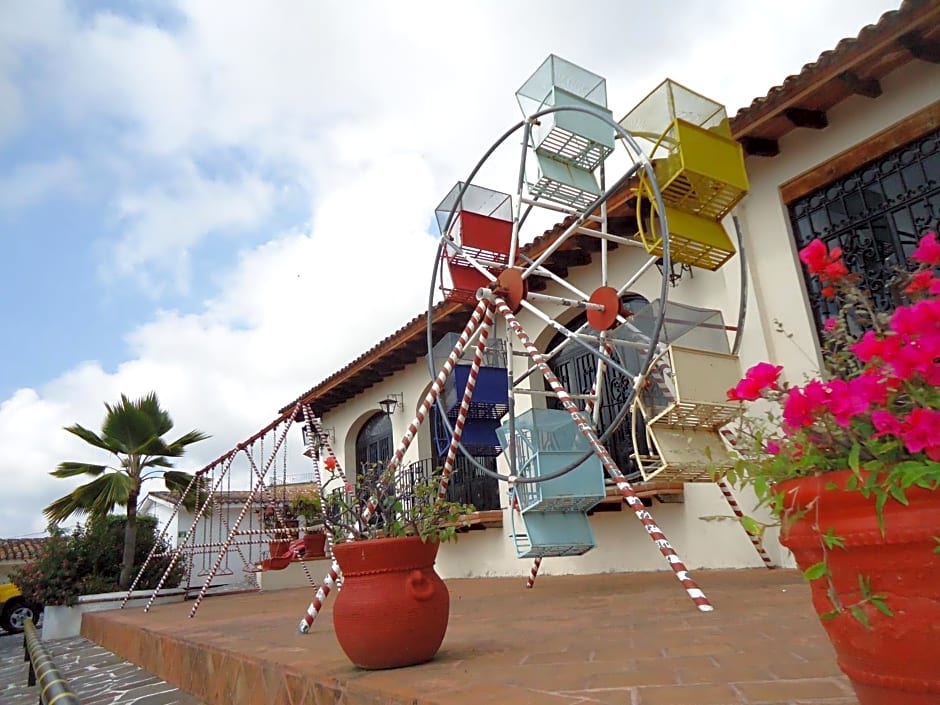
{"points": [[831, 540], [881, 606], [752, 526], [831, 614], [854, 455], [814, 572], [860, 615], [898, 493]]}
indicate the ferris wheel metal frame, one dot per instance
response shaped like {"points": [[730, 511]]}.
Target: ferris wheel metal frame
{"points": [[640, 167]]}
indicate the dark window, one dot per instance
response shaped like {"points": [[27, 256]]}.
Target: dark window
{"points": [[576, 369], [876, 215], [374, 442]]}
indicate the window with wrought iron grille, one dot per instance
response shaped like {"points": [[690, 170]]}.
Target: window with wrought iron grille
{"points": [[876, 214]]}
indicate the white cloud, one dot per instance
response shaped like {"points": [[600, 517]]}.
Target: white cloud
{"points": [[163, 223], [369, 112]]}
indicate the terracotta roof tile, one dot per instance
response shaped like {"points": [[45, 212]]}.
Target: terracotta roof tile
{"points": [[20, 549], [859, 54]]}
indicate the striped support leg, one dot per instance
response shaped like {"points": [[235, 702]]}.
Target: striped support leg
{"points": [[656, 534], [533, 572], [755, 540], [388, 476], [464, 410], [319, 598]]}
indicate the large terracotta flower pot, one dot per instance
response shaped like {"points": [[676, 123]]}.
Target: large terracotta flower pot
{"points": [[895, 661], [393, 608]]}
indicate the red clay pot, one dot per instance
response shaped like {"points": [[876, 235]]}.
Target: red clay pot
{"points": [[314, 545], [278, 548], [393, 608], [896, 660]]}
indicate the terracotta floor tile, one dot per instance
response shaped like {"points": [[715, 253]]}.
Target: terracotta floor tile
{"points": [[628, 639]]}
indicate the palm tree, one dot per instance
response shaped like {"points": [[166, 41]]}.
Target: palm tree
{"points": [[132, 431]]}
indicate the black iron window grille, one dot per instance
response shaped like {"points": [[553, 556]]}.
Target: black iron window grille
{"points": [[876, 215]]}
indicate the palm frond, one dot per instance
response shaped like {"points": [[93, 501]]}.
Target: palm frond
{"points": [[177, 481], [178, 447], [71, 469], [127, 427], [89, 437], [62, 508], [154, 446], [150, 405], [103, 494]]}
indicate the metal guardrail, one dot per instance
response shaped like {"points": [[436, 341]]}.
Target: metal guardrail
{"points": [[53, 689]]}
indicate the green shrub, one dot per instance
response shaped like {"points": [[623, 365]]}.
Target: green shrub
{"points": [[88, 561]]}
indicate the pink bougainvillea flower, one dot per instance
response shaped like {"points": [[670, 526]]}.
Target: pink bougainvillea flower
{"points": [[765, 374], [803, 404], [885, 423], [921, 430], [745, 390], [928, 251], [830, 324], [773, 447], [761, 376]]}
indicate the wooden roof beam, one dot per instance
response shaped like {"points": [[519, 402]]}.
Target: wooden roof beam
{"points": [[920, 48], [803, 117], [866, 87], [759, 146]]}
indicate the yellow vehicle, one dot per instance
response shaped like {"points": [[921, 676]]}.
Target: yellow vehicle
{"points": [[14, 610]]}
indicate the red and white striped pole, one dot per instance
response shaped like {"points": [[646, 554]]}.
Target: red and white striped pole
{"points": [[258, 487], [589, 408], [464, 410], [736, 509], [388, 476], [755, 539], [656, 534]]}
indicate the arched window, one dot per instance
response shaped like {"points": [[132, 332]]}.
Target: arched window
{"points": [[576, 368], [374, 442]]}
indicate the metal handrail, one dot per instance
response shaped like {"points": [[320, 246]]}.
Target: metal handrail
{"points": [[53, 688]]}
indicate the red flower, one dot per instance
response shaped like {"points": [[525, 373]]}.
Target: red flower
{"points": [[761, 376], [922, 281], [928, 251]]}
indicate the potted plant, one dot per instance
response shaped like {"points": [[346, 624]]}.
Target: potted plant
{"points": [[306, 506], [849, 463], [277, 518], [393, 608]]}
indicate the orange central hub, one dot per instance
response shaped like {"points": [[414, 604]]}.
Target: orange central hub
{"points": [[607, 297], [512, 288]]}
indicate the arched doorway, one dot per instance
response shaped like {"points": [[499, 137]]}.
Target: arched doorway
{"points": [[576, 368]]}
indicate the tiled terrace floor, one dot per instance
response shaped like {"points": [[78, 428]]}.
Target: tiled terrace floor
{"points": [[625, 639]]}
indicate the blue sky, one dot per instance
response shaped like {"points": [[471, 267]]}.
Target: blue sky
{"points": [[186, 186]]}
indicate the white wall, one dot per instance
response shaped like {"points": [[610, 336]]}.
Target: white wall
{"points": [[211, 531]]}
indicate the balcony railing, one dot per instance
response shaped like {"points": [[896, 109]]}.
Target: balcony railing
{"points": [[468, 484]]}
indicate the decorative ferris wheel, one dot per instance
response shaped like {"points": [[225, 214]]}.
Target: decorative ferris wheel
{"points": [[682, 174]]}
